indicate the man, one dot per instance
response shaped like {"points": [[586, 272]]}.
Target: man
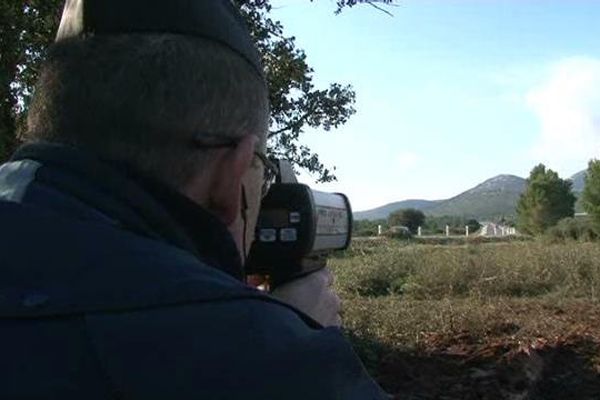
{"points": [[127, 216]]}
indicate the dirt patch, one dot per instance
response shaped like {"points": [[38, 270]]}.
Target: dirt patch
{"points": [[542, 371]]}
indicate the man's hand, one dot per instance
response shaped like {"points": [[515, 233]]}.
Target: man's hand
{"points": [[313, 295]]}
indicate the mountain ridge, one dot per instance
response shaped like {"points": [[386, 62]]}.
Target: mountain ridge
{"points": [[578, 180], [495, 197]]}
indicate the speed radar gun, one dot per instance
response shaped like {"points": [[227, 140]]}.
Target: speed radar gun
{"points": [[297, 229]]}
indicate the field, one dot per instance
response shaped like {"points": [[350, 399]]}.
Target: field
{"points": [[474, 320]]}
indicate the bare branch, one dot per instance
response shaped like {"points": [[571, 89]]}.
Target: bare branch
{"points": [[373, 3], [380, 9], [295, 124]]}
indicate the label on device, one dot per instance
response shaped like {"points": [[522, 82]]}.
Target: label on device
{"points": [[332, 221]]}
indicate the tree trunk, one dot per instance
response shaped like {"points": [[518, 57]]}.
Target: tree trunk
{"points": [[8, 124]]}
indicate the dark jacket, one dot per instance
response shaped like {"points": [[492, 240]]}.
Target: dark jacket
{"points": [[113, 287]]}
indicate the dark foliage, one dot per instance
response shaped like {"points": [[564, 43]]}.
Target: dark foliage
{"points": [[547, 199], [409, 217]]}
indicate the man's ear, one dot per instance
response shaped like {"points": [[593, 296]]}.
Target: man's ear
{"points": [[225, 191]]}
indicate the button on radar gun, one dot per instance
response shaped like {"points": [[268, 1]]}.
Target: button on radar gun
{"points": [[297, 229]]}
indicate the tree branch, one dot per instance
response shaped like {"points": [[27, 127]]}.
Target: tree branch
{"points": [[380, 9], [294, 124], [351, 3]]}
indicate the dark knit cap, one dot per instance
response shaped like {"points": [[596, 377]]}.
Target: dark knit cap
{"points": [[216, 20]]}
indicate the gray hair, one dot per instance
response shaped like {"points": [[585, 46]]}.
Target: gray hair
{"points": [[144, 99]]}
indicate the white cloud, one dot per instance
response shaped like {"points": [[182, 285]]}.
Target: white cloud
{"points": [[567, 105]]}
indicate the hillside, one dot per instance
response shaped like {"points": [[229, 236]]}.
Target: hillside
{"points": [[495, 197], [578, 181], [383, 211]]}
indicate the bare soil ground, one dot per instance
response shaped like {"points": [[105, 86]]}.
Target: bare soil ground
{"points": [[495, 373], [502, 366]]}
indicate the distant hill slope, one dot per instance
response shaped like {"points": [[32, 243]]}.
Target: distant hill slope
{"points": [[578, 181], [495, 197], [383, 211], [578, 184]]}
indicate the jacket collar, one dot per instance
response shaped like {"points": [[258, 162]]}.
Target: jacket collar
{"points": [[137, 202]]}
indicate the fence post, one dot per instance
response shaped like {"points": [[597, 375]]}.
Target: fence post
{"points": [[379, 230], [467, 230], [419, 231], [447, 230]]}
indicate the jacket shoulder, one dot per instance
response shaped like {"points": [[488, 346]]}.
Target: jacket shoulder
{"points": [[240, 348], [78, 266]]}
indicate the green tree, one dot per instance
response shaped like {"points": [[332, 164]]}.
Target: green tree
{"points": [[546, 200], [295, 102], [409, 217], [473, 225], [590, 197], [27, 28]]}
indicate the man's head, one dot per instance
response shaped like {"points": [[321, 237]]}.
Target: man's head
{"points": [[153, 100]]}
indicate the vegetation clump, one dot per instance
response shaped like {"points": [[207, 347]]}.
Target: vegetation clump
{"points": [[578, 229], [546, 200], [590, 198], [409, 217], [419, 312]]}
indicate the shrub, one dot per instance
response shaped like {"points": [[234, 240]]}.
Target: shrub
{"points": [[399, 232], [581, 229], [409, 217], [425, 272]]}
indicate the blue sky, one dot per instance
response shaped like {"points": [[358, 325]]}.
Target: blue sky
{"points": [[452, 92]]}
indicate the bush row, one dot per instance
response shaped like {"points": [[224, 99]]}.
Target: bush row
{"points": [[386, 267]]}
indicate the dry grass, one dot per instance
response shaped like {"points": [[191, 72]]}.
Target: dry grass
{"points": [[468, 299], [432, 324], [474, 271]]}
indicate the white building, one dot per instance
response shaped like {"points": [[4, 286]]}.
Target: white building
{"points": [[490, 229]]}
